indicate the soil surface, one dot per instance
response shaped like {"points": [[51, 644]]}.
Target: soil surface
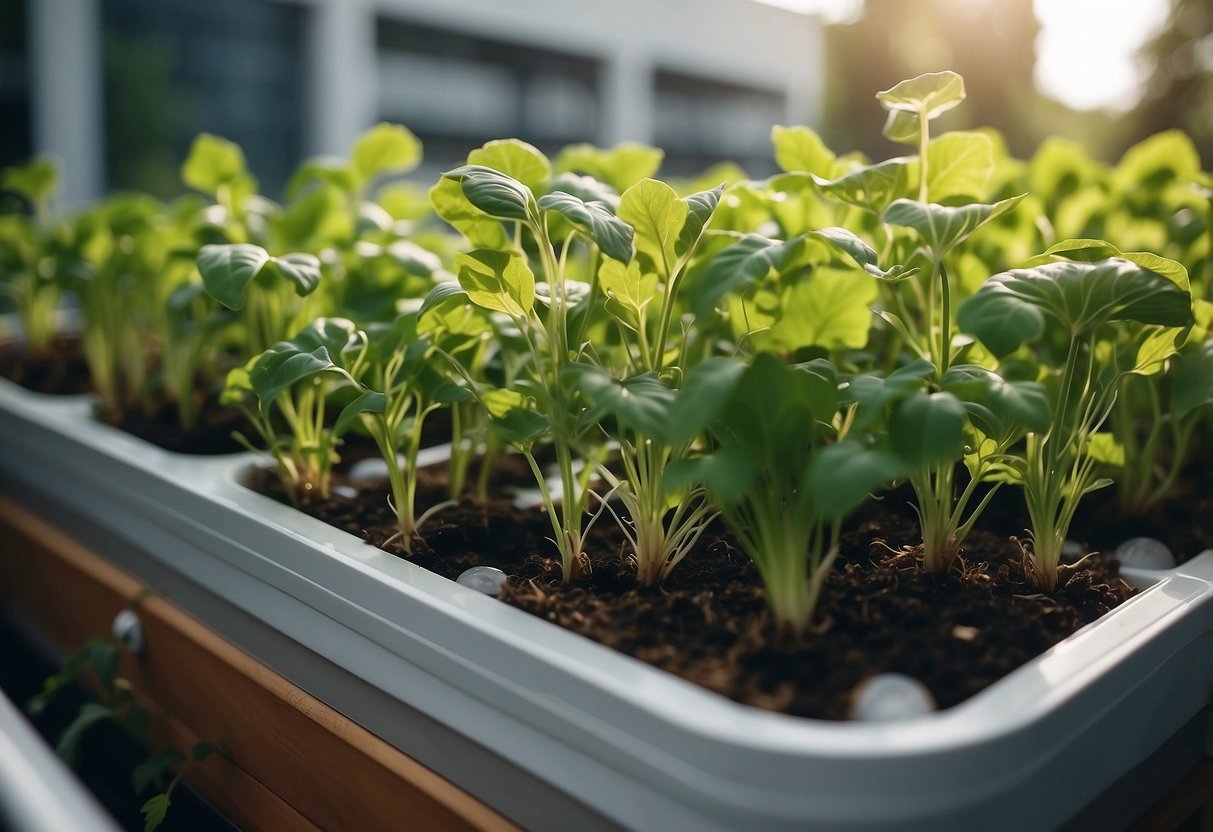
{"points": [[709, 623], [210, 434], [60, 371]]}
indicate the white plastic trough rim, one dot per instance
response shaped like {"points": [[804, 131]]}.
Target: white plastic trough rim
{"points": [[1021, 698]]}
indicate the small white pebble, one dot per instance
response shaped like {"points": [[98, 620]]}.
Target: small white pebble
{"points": [[344, 491], [1144, 553], [1072, 550], [889, 697], [486, 579]]}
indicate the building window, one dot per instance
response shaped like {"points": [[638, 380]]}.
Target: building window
{"points": [[457, 92], [700, 122], [16, 144], [172, 70]]}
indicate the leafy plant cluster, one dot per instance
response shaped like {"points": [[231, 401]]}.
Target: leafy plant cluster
{"points": [[97, 665], [767, 352]]}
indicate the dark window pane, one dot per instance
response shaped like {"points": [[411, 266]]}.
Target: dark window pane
{"points": [[456, 91], [174, 69]]}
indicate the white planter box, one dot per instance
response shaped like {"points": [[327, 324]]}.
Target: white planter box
{"points": [[556, 731]]}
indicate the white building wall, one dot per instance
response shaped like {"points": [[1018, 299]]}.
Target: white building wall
{"points": [[735, 41]]}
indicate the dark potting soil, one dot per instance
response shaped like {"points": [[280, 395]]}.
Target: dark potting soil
{"points": [[61, 371], [708, 623], [213, 431], [1184, 521], [210, 434]]}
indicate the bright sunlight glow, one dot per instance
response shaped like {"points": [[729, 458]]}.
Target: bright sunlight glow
{"points": [[1085, 54]]}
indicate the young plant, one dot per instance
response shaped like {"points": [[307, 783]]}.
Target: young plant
{"points": [[1078, 305], [1159, 407], [976, 412], [780, 485], [641, 297], [401, 364], [29, 265], [480, 197], [98, 661], [296, 379], [263, 289]]}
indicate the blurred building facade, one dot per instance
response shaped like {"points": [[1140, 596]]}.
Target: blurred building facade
{"points": [[118, 88]]}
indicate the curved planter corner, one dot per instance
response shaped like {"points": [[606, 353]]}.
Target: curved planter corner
{"points": [[619, 742]]}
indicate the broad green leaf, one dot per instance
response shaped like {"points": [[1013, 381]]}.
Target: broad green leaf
{"points": [[481, 230], [227, 270], [319, 217], [870, 188], [520, 426], [1060, 167], [774, 407], [863, 254], [36, 180], [641, 402], [385, 149], [656, 213], [90, 714], [1158, 346], [440, 295], [875, 393], [943, 227], [1192, 380], [585, 188], [301, 270], [841, 476], [368, 401], [334, 334], [1011, 307], [497, 280], [155, 811], [499, 401], [702, 395], [1166, 157], [959, 164], [927, 429], [903, 127], [928, 95], [621, 167], [1091, 251], [729, 474], [739, 265], [700, 208], [996, 406], [575, 291], [832, 309], [613, 235], [414, 259], [628, 290], [332, 170], [495, 193], [212, 163], [237, 387], [283, 366], [800, 149], [1103, 447], [517, 160]]}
